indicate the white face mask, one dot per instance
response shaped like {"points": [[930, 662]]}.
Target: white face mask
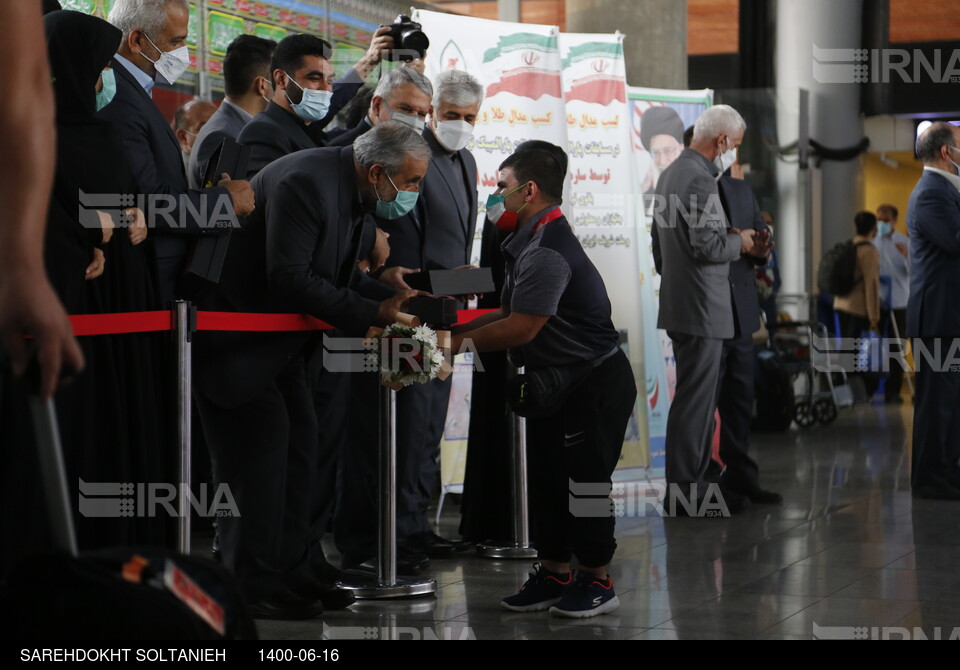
{"points": [[954, 162], [453, 135], [727, 158], [170, 65]]}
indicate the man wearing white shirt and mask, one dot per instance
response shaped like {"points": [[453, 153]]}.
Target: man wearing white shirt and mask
{"points": [[894, 251]]}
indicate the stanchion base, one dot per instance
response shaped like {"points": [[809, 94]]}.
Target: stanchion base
{"points": [[489, 551], [395, 606], [374, 589]]}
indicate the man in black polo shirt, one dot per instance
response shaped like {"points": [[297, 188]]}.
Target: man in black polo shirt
{"points": [[555, 313]]}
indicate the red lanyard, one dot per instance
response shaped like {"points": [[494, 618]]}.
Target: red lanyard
{"points": [[552, 215]]}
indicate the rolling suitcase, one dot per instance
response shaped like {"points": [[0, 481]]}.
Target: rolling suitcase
{"points": [[115, 594]]}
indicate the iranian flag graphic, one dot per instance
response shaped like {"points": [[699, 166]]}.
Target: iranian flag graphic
{"points": [[594, 72], [519, 62]]}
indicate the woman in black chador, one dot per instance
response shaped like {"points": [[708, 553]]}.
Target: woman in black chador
{"points": [[114, 419]]}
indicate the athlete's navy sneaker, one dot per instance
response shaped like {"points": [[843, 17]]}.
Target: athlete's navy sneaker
{"points": [[588, 596], [542, 590]]}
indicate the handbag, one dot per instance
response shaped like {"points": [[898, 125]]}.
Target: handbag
{"points": [[542, 392]]}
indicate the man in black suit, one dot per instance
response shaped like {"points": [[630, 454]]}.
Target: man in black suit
{"points": [[297, 253], [305, 99], [403, 95], [736, 389], [933, 320], [154, 51], [437, 235], [246, 83]]}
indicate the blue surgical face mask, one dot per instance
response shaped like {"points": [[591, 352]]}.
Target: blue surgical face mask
{"points": [[313, 106], [884, 228], [397, 207], [109, 89]]}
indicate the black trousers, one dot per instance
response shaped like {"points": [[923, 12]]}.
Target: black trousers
{"points": [[579, 445], [331, 398], [421, 412], [735, 396], [265, 451], [936, 421]]}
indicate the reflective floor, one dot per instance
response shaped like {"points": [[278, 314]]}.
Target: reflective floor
{"points": [[849, 554]]}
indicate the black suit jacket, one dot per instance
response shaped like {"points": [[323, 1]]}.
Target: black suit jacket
{"points": [[346, 138], [272, 134], [157, 163], [226, 124], [435, 236], [743, 212], [933, 220], [296, 253]]}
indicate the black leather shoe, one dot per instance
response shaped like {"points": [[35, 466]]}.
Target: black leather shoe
{"points": [[761, 496], [408, 563], [459, 546], [286, 606], [328, 594], [433, 545], [940, 492]]}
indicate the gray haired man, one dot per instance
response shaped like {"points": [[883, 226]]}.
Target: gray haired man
{"points": [[697, 246], [437, 234], [298, 254], [402, 95]]}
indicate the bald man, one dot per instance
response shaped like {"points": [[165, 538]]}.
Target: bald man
{"points": [[190, 118], [933, 320]]}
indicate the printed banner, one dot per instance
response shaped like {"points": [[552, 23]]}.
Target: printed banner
{"points": [[600, 206], [658, 118], [519, 67]]}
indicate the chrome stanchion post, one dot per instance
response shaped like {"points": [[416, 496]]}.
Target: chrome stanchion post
{"points": [[521, 515], [183, 332], [387, 546], [522, 522], [386, 583]]}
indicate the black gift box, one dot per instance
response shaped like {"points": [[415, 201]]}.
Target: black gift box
{"points": [[467, 281], [433, 311], [209, 252]]}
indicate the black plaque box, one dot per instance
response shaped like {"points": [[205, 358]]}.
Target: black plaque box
{"points": [[467, 281]]}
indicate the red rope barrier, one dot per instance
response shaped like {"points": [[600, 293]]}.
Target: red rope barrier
{"points": [[150, 322], [251, 323], [127, 322]]}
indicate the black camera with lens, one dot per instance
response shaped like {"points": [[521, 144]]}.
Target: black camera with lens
{"points": [[409, 40]]}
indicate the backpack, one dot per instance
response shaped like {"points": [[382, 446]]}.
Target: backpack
{"points": [[838, 268]]}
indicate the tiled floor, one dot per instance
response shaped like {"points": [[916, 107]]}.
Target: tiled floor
{"points": [[849, 553]]}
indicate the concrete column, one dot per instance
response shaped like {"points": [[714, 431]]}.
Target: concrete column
{"points": [[834, 122], [655, 46], [508, 10]]}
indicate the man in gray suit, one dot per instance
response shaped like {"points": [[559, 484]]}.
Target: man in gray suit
{"points": [[246, 83], [697, 246]]}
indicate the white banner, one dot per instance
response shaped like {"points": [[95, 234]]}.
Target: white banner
{"points": [[519, 67], [601, 205]]}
